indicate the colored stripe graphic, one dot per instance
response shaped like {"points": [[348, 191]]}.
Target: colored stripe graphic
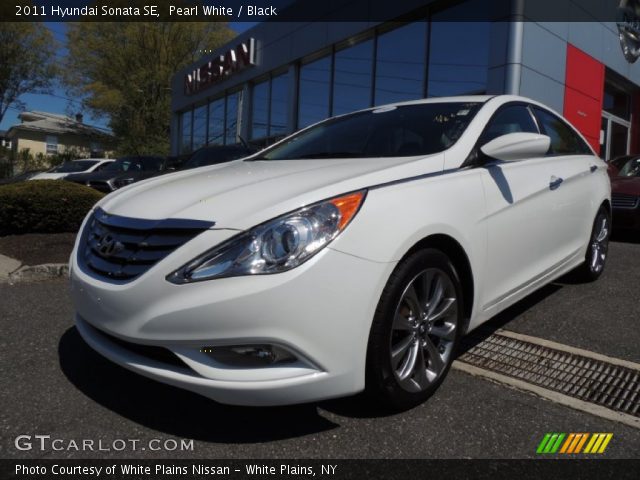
{"points": [[581, 443], [599, 443], [573, 443]]}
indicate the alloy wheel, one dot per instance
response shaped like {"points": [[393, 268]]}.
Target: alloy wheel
{"points": [[424, 330], [599, 244]]}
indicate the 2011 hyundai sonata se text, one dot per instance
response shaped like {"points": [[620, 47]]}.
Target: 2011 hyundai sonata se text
{"points": [[350, 256]]}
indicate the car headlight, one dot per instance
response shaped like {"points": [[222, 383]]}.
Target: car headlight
{"points": [[122, 182], [277, 245]]}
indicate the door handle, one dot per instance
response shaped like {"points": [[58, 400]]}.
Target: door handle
{"points": [[593, 168], [555, 182]]}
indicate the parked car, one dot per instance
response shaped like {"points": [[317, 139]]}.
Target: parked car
{"points": [[214, 154], [124, 171], [21, 177], [625, 192], [86, 165], [351, 255]]}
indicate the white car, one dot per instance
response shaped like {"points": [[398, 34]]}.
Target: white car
{"points": [[350, 256], [84, 165]]}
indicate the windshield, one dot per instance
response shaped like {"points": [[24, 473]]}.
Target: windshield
{"points": [[213, 155], [393, 131], [135, 164], [627, 166], [75, 166]]}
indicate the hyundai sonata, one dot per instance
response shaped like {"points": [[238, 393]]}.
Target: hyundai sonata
{"points": [[350, 256]]}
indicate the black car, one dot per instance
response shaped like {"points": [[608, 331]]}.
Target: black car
{"points": [[124, 171], [215, 154]]}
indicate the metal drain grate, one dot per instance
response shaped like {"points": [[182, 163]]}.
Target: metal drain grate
{"points": [[611, 386]]}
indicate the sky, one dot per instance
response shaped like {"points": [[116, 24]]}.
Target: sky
{"points": [[58, 101]]}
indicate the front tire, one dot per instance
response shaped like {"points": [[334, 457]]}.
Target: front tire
{"points": [[415, 330], [597, 251]]}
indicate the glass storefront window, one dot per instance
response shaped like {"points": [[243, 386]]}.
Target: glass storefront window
{"points": [[216, 122], [313, 101], [617, 102], [199, 127], [400, 64], [260, 110], [279, 103], [352, 78], [458, 53], [185, 132], [231, 124]]}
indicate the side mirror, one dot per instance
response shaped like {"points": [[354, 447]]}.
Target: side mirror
{"points": [[517, 146]]}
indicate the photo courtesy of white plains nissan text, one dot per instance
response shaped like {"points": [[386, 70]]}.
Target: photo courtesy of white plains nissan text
{"points": [[350, 256]]}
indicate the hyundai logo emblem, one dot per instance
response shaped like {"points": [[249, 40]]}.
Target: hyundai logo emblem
{"points": [[109, 246], [628, 22]]}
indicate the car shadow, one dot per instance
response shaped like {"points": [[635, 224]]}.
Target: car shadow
{"points": [[625, 236], [175, 411]]}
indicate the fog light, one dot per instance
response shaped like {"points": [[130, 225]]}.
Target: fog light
{"points": [[249, 355]]}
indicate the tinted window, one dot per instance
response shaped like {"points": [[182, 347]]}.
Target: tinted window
{"points": [[511, 119], [313, 101], [564, 140], [386, 132], [352, 78], [627, 166], [400, 64], [75, 166]]}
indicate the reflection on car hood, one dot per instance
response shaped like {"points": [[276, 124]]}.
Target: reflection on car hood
{"points": [[626, 185], [241, 193]]}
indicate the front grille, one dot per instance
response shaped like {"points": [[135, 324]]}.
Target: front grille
{"points": [[622, 200], [100, 185], [122, 248]]}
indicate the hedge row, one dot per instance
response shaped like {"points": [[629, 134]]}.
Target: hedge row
{"points": [[44, 206]]}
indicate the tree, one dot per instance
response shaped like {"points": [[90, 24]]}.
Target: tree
{"points": [[27, 62], [122, 71]]}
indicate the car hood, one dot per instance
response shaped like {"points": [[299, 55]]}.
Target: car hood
{"points": [[626, 185], [241, 194]]}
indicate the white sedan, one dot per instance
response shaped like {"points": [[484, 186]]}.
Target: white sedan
{"points": [[350, 256], [85, 165]]}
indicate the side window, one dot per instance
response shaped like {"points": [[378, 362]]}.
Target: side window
{"points": [[510, 119], [564, 140]]}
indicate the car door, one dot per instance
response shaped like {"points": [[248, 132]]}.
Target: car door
{"points": [[573, 165], [522, 220]]}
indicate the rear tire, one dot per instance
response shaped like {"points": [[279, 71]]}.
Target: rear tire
{"points": [[415, 330], [597, 251]]}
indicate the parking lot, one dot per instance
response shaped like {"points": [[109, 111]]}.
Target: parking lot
{"points": [[54, 384]]}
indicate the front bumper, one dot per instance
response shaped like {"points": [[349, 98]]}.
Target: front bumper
{"points": [[320, 311]]}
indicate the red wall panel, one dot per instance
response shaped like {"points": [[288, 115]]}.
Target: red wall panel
{"points": [[583, 92]]}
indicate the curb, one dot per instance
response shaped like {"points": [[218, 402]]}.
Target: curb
{"points": [[29, 273]]}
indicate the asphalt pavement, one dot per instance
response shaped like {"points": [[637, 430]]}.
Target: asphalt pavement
{"points": [[54, 384]]}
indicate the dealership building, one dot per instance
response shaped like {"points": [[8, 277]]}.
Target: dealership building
{"points": [[279, 77]]}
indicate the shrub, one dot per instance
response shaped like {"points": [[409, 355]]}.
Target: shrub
{"points": [[44, 206]]}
